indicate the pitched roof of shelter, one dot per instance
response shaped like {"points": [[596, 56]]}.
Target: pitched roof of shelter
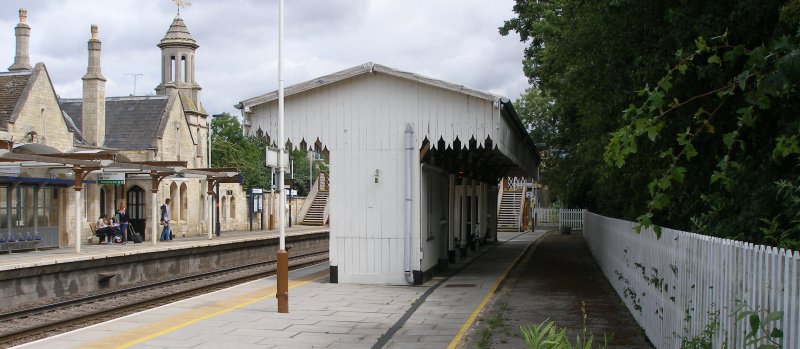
{"points": [[367, 68], [372, 68], [131, 122]]}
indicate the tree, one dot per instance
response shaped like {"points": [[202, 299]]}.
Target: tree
{"points": [[673, 113], [230, 148]]}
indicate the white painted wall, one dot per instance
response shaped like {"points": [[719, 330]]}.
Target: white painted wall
{"points": [[367, 217]]}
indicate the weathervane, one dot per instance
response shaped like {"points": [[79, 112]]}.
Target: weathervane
{"points": [[181, 3]]}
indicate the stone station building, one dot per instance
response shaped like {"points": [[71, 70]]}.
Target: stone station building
{"points": [[128, 136]]}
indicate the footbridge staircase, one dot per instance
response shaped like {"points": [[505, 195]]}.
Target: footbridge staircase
{"points": [[315, 209]]}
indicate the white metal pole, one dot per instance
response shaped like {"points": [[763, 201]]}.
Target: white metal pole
{"points": [[210, 215], [281, 139], [78, 215], [209, 200], [154, 215]]}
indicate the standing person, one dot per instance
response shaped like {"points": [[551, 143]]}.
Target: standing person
{"points": [[165, 233], [124, 220]]}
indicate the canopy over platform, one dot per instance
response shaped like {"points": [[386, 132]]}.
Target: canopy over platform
{"points": [[39, 165]]}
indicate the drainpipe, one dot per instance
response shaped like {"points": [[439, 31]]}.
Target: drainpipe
{"points": [[409, 148]]}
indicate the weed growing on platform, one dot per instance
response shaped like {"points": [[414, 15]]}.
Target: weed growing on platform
{"points": [[494, 322], [547, 335]]}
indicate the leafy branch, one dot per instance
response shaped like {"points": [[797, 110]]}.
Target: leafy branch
{"points": [[757, 82], [762, 325]]}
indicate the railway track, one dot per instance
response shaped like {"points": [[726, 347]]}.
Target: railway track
{"points": [[27, 325]]}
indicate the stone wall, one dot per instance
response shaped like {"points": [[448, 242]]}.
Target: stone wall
{"points": [[23, 286]]}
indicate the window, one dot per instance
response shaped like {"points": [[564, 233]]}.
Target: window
{"points": [[47, 208], [233, 207], [136, 202], [199, 144], [3, 208], [173, 72], [224, 208], [22, 207], [173, 202], [102, 201], [185, 67], [184, 203]]}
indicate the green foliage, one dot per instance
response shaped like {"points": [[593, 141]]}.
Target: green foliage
{"points": [[707, 142], [757, 80], [763, 330], [230, 148], [547, 335], [542, 336], [705, 339], [535, 110], [495, 322]]}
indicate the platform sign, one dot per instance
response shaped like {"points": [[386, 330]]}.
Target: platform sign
{"points": [[257, 197], [272, 158], [111, 178]]}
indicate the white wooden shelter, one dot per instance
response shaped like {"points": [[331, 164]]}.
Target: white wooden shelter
{"points": [[414, 165]]}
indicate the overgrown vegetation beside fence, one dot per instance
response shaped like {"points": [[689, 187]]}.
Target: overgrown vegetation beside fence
{"points": [[682, 284]]}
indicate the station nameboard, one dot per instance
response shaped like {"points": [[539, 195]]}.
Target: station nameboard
{"points": [[111, 178]]}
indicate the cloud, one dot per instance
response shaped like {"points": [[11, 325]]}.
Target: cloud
{"points": [[456, 41]]}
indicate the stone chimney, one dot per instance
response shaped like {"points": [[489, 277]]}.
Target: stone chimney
{"points": [[23, 34], [93, 118]]}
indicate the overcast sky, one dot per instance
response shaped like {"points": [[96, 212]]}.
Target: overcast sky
{"points": [[456, 41]]}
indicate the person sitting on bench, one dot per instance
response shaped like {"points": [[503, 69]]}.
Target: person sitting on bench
{"points": [[104, 230]]}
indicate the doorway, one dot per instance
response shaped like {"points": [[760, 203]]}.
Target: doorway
{"points": [[136, 209]]}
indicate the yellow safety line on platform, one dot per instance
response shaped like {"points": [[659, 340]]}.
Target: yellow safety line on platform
{"points": [[132, 337], [474, 315]]}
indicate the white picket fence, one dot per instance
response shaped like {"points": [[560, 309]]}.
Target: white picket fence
{"points": [[672, 284], [572, 218], [546, 215]]}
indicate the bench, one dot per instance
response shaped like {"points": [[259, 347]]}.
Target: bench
{"points": [[19, 242]]}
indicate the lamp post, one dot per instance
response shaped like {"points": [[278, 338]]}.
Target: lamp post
{"points": [[283, 255]]}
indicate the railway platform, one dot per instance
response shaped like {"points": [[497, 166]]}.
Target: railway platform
{"points": [[37, 278], [321, 315], [28, 259], [525, 278]]}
